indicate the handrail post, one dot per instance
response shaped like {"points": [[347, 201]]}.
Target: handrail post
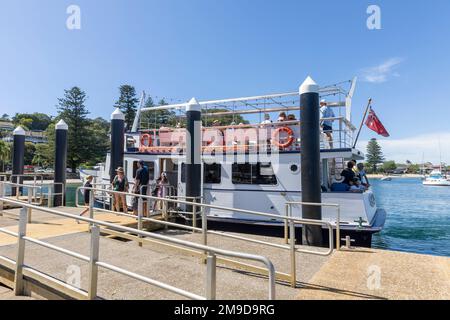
{"points": [[286, 241], [338, 229], [293, 262], [30, 197], [50, 197], [91, 204], [194, 215], [93, 259], [165, 212], [18, 276], [211, 263], [140, 211], [2, 194]]}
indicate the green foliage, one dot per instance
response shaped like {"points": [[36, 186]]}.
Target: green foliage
{"points": [[5, 154], [44, 155], [29, 153], [74, 112], [98, 141], [159, 118], [374, 154], [127, 103], [389, 166], [224, 120], [34, 121], [413, 168]]}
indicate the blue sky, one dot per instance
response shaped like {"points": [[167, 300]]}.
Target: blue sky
{"points": [[218, 49]]}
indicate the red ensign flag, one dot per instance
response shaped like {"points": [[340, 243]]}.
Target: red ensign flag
{"points": [[375, 124]]}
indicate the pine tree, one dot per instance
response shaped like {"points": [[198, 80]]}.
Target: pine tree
{"points": [[374, 154], [159, 118], [74, 112], [127, 103]]}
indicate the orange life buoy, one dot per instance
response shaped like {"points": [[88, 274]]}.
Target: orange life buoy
{"points": [[276, 137], [146, 138]]}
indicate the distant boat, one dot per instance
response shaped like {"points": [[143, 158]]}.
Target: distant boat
{"points": [[436, 178], [386, 178]]}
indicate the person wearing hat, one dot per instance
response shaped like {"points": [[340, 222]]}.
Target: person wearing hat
{"points": [[327, 125], [87, 193], [120, 184]]}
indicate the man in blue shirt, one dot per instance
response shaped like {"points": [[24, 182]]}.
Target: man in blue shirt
{"points": [[327, 125]]}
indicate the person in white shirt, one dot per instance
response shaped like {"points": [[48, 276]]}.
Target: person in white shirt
{"points": [[266, 119], [327, 125]]}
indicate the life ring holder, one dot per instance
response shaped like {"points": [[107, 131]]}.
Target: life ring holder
{"points": [[276, 137], [146, 138]]}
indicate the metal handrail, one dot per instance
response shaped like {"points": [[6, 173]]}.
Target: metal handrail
{"points": [[288, 220], [40, 187], [289, 205], [211, 251]]}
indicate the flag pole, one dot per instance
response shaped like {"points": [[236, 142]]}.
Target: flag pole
{"points": [[362, 122]]}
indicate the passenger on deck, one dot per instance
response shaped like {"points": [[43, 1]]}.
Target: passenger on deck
{"points": [[356, 186], [291, 117], [282, 117], [266, 119], [327, 125], [362, 175], [162, 190], [348, 173]]}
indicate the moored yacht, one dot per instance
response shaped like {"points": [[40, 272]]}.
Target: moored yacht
{"points": [[436, 178]]}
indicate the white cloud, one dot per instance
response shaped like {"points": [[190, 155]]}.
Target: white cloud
{"points": [[382, 72], [415, 148]]}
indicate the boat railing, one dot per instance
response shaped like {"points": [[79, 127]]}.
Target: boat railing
{"points": [[242, 137], [94, 262], [199, 209]]}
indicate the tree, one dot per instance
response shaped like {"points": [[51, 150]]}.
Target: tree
{"points": [[29, 153], [74, 112], [413, 168], [389, 166], [43, 156], [224, 120], [98, 140], [34, 121], [374, 154], [127, 103], [159, 118], [5, 152]]}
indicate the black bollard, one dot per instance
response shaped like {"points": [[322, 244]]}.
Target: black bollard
{"points": [[310, 160], [60, 162], [117, 142], [18, 157], [193, 150]]}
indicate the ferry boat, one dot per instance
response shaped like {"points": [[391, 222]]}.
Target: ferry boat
{"points": [[259, 168], [436, 178]]}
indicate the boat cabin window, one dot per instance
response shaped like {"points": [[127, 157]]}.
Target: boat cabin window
{"points": [[151, 169], [212, 173], [255, 173]]}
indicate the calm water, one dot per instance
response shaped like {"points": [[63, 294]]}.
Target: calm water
{"points": [[418, 217]]}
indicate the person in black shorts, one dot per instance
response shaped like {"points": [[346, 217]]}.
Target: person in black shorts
{"points": [[348, 173], [140, 184], [87, 193]]}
